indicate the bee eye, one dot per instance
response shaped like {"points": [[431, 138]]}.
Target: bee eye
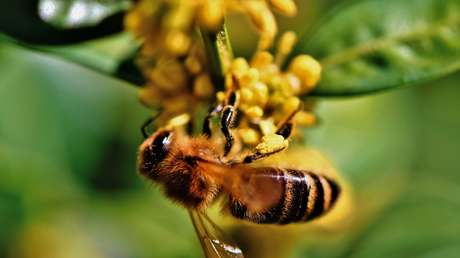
{"points": [[160, 146], [156, 152]]}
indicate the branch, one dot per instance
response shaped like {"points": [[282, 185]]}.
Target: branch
{"points": [[219, 54]]}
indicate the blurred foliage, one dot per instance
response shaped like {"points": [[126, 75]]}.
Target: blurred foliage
{"points": [[374, 45], [50, 26], [79, 13], [69, 136], [113, 56], [21, 19], [68, 145], [365, 46]]}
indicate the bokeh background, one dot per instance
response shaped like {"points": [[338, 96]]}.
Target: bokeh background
{"points": [[68, 183]]}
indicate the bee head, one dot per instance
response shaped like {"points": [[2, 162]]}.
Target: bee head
{"points": [[153, 151]]}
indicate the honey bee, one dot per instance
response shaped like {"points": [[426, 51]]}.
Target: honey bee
{"points": [[193, 173]]}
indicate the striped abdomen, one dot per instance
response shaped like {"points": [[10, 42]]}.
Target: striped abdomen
{"points": [[305, 196]]}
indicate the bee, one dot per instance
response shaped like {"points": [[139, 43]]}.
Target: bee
{"points": [[193, 172]]}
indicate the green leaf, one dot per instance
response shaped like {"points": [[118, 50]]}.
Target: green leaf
{"points": [[408, 228], [374, 45], [51, 22], [413, 122], [47, 25], [79, 13], [12, 210], [111, 56]]}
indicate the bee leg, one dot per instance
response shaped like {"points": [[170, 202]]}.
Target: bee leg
{"points": [[207, 126], [189, 127], [147, 123], [226, 122], [257, 155], [207, 120], [285, 130]]}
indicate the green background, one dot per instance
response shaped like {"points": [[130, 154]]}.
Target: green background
{"points": [[68, 183], [69, 139]]}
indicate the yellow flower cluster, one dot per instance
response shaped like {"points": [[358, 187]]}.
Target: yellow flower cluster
{"points": [[168, 25], [269, 96], [172, 57], [173, 61], [176, 84], [259, 11]]}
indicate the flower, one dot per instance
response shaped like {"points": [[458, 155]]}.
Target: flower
{"points": [[267, 94], [173, 61], [168, 25]]}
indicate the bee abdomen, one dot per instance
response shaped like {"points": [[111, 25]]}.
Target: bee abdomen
{"points": [[322, 195], [306, 196]]}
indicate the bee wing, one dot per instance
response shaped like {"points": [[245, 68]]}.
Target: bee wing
{"points": [[259, 188], [213, 240]]}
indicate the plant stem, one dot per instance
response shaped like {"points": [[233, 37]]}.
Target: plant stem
{"points": [[219, 54]]}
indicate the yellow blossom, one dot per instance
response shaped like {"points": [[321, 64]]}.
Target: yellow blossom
{"points": [[286, 7], [202, 87], [211, 14], [307, 69], [249, 136], [174, 64]]}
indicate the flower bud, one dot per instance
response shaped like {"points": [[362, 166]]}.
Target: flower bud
{"points": [[202, 87], [249, 136], [211, 14], [307, 69], [254, 112], [286, 7]]}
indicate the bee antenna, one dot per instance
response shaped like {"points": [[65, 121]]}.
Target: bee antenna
{"points": [[148, 122]]}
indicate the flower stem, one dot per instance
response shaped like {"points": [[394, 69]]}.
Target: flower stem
{"points": [[219, 54]]}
